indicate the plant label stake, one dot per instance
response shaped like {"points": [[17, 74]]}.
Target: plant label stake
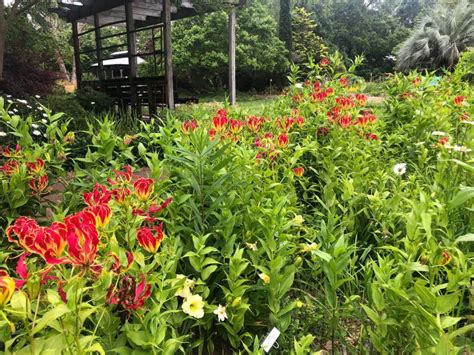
{"points": [[270, 339]]}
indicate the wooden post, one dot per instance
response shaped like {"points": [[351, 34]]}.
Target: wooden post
{"points": [[98, 47], [77, 54], [232, 87], [168, 54], [132, 53]]}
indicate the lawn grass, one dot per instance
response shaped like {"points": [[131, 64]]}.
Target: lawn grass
{"points": [[249, 104]]}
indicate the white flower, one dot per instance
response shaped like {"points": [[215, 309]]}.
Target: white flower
{"points": [[36, 132], [252, 246], [15, 110], [3, 134], [40, 108], [400, 169], [92, 103], [10, 101], [44, 121], [299, 85], [11, 112], [34, 125], [185, 290], [28, 106], [22, 101], [45, 115], [221, 314], [9, 96], [461, 149], [38, 97], [438, 133]]}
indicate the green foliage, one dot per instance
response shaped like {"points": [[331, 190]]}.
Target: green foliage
{"points": [[200, 49], [306, 44], [285, 24], [439, 39]]}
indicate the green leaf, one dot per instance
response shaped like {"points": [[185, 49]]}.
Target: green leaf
{"points": [[50, 316], [372, 314], [447, 321], [446, 303], [465, 238]]}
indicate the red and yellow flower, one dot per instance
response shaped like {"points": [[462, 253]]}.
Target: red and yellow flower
{"points": [[298, 171], [144, 188], [150, 239], [39, 184], [82, 238], [130, 295], [283, 140]]}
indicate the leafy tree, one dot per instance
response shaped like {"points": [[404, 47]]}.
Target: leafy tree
{"points": [[200, 49], [284, 29], [306, 43], [439, 39], [7, 16], [354, 29]]}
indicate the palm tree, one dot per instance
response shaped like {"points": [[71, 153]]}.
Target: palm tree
{"points": [[439, 39]]}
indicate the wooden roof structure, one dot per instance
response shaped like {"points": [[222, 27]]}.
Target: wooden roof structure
{"points": [[136, 15]]}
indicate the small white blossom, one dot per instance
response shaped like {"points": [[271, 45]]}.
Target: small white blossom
{"points": [[40, 108], [438, 133], [44, 121], [461, 149], [22, 101], [38, 97], [400, 169], [34, 125], [36, 132], [45, 115], [10, 101], [15, 110], [9, 96], [3, 134], [28, 106], [92, 103], [11, 112], [221, 314], [299, 85]]}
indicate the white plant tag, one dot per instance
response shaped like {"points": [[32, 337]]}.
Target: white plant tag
{"points": [[271, 338]]}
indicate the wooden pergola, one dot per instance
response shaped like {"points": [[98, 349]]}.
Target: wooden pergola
{"points": [[129, 18]]}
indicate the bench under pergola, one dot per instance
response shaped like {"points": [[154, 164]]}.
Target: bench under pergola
{"points": [[128, 19]]}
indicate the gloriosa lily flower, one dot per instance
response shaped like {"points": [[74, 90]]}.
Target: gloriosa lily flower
{"points": [[298, 171], [102, 215], [189, 125], [144, 188], [48, 242], [149, 240], [282, 140], [99, 196], [220, 120], [82, 238], [38, 185], [130, 295], [36, 168]]}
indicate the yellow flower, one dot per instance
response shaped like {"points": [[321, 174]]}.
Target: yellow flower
{"points": [[7, 287], [299, 304], [298, 220], [309, 247], [264, 277], [185, 290], [194, 306], [221, 314]]}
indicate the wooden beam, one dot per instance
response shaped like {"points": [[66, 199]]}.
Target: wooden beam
{"points": [[98, 47], [232, 86], [77, 55], [168, 54]]}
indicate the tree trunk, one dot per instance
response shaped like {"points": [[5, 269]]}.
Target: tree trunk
{"points": [[74, 73], [61, 65], [285, 24]]}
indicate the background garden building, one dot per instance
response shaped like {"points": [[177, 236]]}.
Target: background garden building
{"points": [[132, 43]]}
